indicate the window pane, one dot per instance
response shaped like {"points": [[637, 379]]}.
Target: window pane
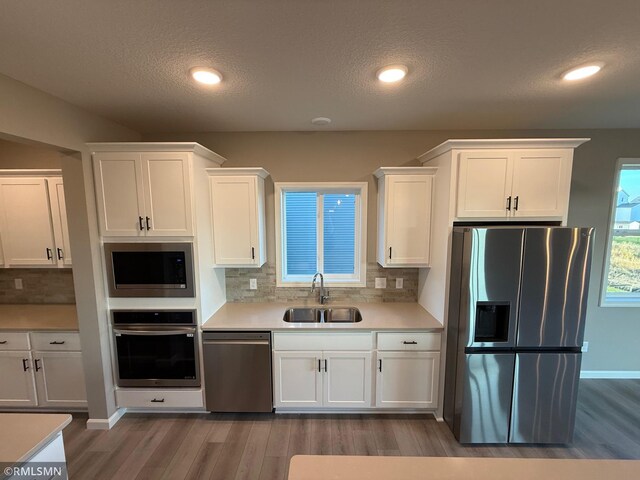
{"points": [[300, 232], [623, 282], [339, 233]]}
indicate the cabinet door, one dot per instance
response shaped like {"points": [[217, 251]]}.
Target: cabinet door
{"points": [[235, 220], [347, 379], [167, 194], [119, 194], [60, 379], [27, 231], [407, 379], [541, 183], [484, 184], [408, 218], [297, 379], [59, 219], [17, 388]]}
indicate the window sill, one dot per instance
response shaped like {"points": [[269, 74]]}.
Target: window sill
{"points": [[327, 285]]}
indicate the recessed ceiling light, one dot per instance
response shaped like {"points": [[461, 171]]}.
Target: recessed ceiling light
{"points": [[582, 72], [392, 73], [321, 121], [207, 76]]}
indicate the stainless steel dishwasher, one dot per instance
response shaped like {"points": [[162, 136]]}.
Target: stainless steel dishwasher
{"points": [[237, 371]]}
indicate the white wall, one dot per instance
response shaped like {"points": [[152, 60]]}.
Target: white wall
{"points": [[31, 115]]}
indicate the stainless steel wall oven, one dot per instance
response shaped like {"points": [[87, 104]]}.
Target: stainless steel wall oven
{"points": [[156, 348]]}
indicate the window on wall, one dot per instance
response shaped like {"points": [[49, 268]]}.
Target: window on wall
{"points": [[321, 228], [622, 270]]}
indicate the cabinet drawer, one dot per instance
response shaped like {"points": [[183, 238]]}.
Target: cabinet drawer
{"points": [[144, 398], [14, 341], [408, 341], [55, 341], [323, 341]]}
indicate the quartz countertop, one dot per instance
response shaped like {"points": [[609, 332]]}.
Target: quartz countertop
{"points": [[316, 467], [375, 316], [23, 434], [38, 317]]}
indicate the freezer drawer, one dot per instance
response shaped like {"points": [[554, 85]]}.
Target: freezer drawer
{"points": [[545, 391], [485, 395], [237, 372]]}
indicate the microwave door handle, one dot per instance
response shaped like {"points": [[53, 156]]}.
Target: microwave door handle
{"points": [[154, 333]]}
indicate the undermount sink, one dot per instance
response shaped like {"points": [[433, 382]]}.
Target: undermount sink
{"points": [[322, 315]]}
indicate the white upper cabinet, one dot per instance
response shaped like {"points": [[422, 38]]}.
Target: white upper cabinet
{"points": [[119, 191], [59, 219], [484, 184], [505, 179], [514, 183], [541, 183], [147, 189], [404, 216], [25, 222], [143, 194], [238, 216], [167, 194]]}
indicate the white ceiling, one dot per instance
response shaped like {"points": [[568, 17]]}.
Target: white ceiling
{"points": [[472, 63]]}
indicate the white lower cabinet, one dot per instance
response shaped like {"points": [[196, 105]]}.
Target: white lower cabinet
{"points": [[323, 369], [17, 388], [407, 379], [60, 379], [43, 378]]}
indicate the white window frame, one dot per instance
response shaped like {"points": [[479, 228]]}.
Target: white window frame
{"points": [[633, 302], [359, 278]]}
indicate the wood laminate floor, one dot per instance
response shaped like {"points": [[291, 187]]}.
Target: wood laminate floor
{"points": [[228, 447]]}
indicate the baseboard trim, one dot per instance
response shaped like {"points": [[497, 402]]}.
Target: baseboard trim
{"points": [[372, 411], [610, 374], [106, 423]]}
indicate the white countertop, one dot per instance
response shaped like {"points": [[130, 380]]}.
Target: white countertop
{"points": [[375, 316], [23, 434], [38, 317], [316, 467]]}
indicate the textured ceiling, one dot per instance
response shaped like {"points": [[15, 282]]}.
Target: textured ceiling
{"points": [[472, 63]]}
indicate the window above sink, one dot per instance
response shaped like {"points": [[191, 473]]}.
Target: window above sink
{"points": [[321, 227]]}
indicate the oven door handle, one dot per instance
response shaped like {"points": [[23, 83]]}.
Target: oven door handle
{"points": [[182, 331]]}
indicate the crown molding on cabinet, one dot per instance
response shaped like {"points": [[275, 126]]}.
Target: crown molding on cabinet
{"points": [[524, 143], [32, 172], [158, 147], [259, 171], [382, 171]]}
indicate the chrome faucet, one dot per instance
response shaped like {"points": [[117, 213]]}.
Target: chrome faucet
{"points": [[324, 295]]}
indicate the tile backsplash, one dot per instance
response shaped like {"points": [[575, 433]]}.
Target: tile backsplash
{"points": [[237, 281], [39, 285]]}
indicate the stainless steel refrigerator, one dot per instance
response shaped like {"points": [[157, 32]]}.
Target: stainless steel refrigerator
{"points": [[515, 329]]}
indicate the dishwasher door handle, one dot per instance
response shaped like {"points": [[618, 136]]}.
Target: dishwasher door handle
{"points": [[235, 342]]}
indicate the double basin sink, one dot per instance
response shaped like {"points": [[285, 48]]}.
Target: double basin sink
{"points": [[322, 315]]}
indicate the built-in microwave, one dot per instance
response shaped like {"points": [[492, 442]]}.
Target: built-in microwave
{"points": [[150, 269]]}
